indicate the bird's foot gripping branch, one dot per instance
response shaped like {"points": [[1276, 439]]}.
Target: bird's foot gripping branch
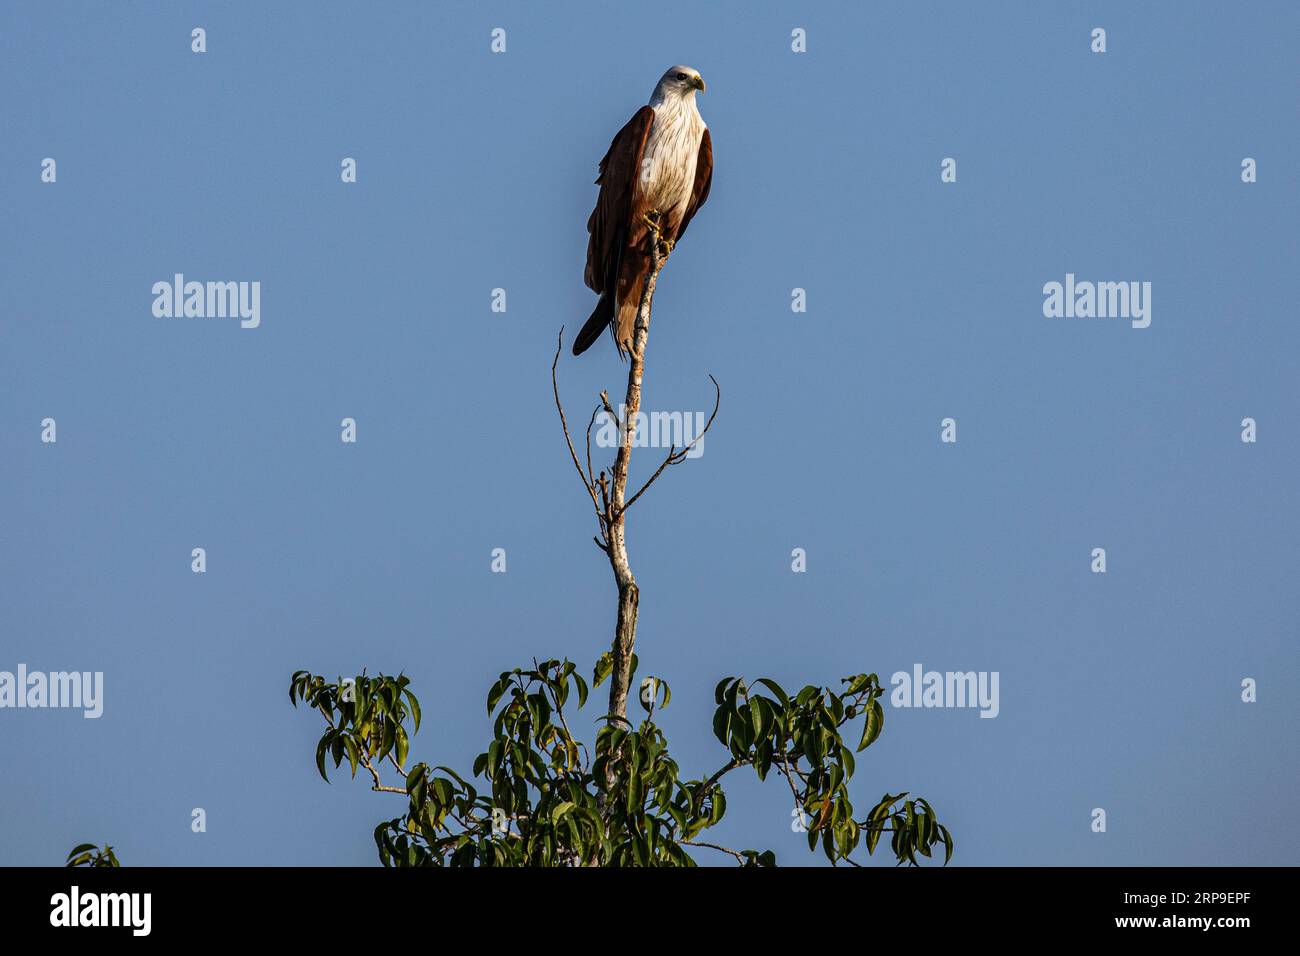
{"points": [[545, 798]]}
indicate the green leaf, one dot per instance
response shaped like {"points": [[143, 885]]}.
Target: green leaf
{"points": [[496, 691], [582, 689], [857, 684], [443, 792], [721, 724], [403, 745], [604, 667], [321, 749], [873, 834], [872, 726], [720, 690], [351, 747], [776, 689], [732, 693], [758, 718], [668, 694], [947, 843], [719, 806], [414, 706]]}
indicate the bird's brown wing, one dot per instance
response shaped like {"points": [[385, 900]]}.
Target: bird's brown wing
{"points": [[610, 219], [703, 180]]}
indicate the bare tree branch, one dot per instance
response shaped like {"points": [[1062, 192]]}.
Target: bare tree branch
{"points": [[713, 846], [555, 388], [676, 457], [591, 475]]}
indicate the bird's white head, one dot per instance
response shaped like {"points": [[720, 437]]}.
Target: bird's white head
{"points": [[678, 82]]}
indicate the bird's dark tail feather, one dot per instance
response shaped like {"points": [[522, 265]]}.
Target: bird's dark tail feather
{"points": [[599, 321], [602, 317]]}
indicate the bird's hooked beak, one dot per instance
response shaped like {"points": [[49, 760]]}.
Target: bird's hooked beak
{"points": [[698, 83]]}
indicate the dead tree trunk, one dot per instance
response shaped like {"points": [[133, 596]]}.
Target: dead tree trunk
{"points": [[629, 595], [609, 492]]}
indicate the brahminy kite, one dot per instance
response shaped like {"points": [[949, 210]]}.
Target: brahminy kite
{"points": [[658, 170]]}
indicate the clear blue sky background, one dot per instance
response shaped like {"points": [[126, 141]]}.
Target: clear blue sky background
{"points": [[924, 301]]}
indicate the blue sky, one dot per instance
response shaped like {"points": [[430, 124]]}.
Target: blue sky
{"points": [[1119, 691]]}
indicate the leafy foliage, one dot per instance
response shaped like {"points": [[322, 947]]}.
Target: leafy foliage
{"points": [[545, 800], [367, 718], [88, 854]]}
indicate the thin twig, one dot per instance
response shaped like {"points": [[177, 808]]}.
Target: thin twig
{"points": [[676, 457], [713, 846], [604, 400], [591, 475], [555, 388], [727, 768]]}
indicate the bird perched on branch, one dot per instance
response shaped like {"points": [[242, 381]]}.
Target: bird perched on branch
{"points": [[656, 174]]}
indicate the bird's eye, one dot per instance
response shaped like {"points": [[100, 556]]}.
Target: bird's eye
{"points": [[681, 76]]}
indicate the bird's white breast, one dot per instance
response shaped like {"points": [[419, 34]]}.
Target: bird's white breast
{"points": [[668, 164]]}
